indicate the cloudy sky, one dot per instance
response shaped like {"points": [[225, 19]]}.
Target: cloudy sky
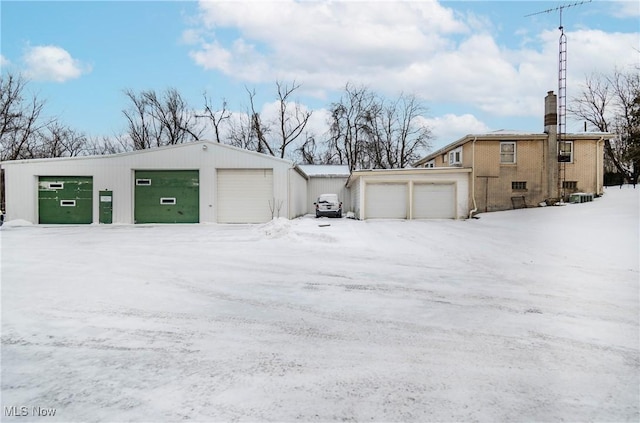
{"points": [[477, 65]]}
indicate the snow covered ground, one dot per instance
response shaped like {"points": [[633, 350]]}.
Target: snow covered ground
{"points": [[525, 315]]}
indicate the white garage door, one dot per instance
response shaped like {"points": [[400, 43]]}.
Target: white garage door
{"points": [[386, 201], [244, 195], [434, 201]]}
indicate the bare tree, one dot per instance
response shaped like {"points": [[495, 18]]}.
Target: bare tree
{"points": [[58, 140], [369, 131], [397, 137], [351, 124], [108, 145], [154, 121], [612, 104], [292, 118], [217, 117], [258, 128], [20, 119]]}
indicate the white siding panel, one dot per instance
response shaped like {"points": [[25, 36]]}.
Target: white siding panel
{"points": [[355, 197], [244, 196], [386, 201], [434, 201], [327, 185], [297, 194]]}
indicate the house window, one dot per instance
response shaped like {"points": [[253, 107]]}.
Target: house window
{"points": [[430, 163], [508, 152], [455, 156], [565, 151], [143, 182], [570, 184], [519, 185]]}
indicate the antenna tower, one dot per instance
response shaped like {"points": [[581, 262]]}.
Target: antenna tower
{"points": [[562, 94]]}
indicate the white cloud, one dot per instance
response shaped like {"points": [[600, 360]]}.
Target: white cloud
{"points": [[52, 63], [418, 47], [449, 128], [625, 9]]}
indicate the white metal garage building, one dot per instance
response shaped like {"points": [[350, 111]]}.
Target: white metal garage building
{"points": [[186, 183], [441, 193]]}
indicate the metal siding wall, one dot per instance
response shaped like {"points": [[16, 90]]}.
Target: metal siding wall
{"points": [[356, 195], [297, 194], [327, 185]]}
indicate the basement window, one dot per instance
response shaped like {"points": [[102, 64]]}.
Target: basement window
{"points": [[67, 203], [143, 182], [508, 152], [56, 185], [168, 200], [519, 185], [570, 184]]}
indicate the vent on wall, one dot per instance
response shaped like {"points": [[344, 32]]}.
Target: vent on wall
{"points": [[67, 203], [167, 200]]}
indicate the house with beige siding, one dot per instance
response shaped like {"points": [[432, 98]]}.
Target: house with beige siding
{"points": [[515, 169]]}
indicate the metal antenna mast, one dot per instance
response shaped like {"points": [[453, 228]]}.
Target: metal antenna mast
{"points": [[562, 92]]}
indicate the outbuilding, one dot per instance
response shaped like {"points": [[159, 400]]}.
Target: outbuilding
{"points": [[186, 183], [326, 179], [410, 193]]}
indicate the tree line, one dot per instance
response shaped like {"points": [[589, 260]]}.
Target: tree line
{"points": [[366, 130]]}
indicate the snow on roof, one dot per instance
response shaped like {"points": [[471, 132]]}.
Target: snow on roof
{"points": [[325, 170]]}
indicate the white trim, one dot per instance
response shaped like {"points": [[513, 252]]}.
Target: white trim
{"points": [[55, 185], [570, 153], [455, 156], [168, 201], [143, 182]]}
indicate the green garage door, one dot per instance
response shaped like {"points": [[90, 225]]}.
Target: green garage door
{"points": [[167, 196], [65, 199]]}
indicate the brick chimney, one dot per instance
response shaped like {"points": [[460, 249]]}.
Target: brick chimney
{"points": [[551, 129]]}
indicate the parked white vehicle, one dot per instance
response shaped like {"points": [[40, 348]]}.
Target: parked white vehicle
{"points": [[328, 205]]}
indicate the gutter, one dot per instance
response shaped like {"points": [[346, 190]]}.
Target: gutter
{"points": [[473, 178]]}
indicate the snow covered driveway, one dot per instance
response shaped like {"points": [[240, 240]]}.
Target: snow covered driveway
{"points": [[527, 315]]}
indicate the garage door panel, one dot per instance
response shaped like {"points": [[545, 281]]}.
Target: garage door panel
{"points": [[65, 199], [386, 201], [434, 201], [167, 196], [244, 195]]}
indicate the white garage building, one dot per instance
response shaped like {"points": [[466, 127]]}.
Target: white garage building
{"points": [[186, 183], [434, 193]]}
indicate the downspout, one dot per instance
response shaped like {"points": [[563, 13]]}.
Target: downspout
{"points": [[473, 178], [599, 169]]}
